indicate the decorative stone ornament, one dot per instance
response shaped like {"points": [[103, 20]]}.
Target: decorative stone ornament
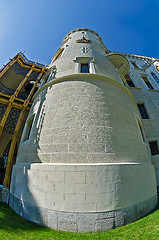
{"points": [[85, 50], [83, 40]]}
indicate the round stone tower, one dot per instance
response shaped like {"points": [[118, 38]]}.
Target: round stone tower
{"points": [[83, 164]]}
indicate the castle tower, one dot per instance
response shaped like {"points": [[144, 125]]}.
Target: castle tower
{"points": [[83, 164]]}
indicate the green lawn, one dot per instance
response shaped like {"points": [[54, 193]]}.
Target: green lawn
{"points": [[14, 227]]}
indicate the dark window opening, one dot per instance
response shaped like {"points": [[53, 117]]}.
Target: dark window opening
{"points": [[155, 77], [142, 111], [134, 64], [129, 81], [147, 82], [154, 148], [84, 68]]}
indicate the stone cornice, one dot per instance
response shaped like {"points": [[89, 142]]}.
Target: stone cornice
{"points": [[80, 77]]}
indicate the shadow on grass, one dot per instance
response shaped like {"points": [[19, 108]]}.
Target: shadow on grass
{"points": [[19, 228], [9, 219]]}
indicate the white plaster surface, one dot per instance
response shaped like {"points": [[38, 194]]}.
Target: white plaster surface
{"points": [[85, 153], [83, 187]]}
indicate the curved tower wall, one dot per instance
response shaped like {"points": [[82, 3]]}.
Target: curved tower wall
{"points": [[83, 164]]}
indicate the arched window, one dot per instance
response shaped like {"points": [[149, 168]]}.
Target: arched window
{"points": [[155, 77]]}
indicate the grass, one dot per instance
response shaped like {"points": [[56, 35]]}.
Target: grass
{"points": [[15, 227]]}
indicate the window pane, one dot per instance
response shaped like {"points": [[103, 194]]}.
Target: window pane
{"points": [[155, 77], [129, 81], [134, 64], [84, 68], [147, 82], [154, 148], [149, 85], [142, 111]]}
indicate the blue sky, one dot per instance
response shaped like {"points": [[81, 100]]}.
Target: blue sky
{"points": [[39, 26]]}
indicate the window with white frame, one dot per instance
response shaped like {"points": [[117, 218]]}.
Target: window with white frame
{"points": [[84, 65], [84, 68]]}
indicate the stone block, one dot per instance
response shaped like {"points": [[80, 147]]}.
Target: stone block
{"points": [[75, 177], [74, 198], [67, 222], [105, 215], [104, 224], [86, 222], [96, 197], [64, 206], [82, 188], [85, 207], [65, 188], [95, 176], [52, 219], [119, 218], [56, 177]]}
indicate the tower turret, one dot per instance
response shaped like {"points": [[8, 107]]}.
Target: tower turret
{"points": [[83, 164]]}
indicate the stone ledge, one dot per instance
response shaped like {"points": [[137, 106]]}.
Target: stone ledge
{"points": [[82, 222]]}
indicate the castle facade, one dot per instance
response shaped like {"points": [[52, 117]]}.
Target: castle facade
{"points": [[88, 159]]}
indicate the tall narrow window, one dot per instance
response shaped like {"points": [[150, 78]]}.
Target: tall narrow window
{"points": [[142, 111], [154, 148], [129, 81], [28, 128], [147, 82], [134, 64], [155, 77], [84, 68]]}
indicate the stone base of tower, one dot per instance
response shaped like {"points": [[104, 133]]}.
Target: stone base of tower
{"points": [[82, 222], [83, 197]]}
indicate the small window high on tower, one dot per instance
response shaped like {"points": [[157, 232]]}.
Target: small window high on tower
{"points": [[84, 68]]}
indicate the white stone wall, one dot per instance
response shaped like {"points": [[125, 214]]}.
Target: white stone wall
{"points": [[85, 153], [73, 55], [83, 187], [85, 121], [150, 98]]}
